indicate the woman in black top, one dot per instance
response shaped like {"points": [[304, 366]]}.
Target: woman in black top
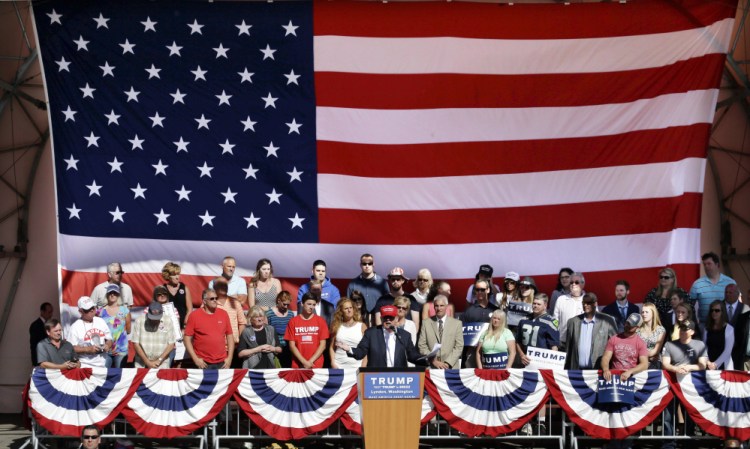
{"points": [[178, 292]]}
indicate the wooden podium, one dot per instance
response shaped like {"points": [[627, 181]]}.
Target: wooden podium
{"points": [[391, 405]]}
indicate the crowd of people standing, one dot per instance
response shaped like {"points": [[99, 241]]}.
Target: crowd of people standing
{"points": [[251, 324]]}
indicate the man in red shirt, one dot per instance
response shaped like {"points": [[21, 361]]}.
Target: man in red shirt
{"points": [[208, 335], [307, 334], [626, 351]]}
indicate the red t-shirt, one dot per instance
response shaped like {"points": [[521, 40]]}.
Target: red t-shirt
{"points": [[625, 351], [209, 331], [307, 335]]}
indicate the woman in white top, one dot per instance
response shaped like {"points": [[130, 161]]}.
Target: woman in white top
{"points": [[422, 286], [348, 328], [403, 304]]}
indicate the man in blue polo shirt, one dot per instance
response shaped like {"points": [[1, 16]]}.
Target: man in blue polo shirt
{"points": [[710, 287]]}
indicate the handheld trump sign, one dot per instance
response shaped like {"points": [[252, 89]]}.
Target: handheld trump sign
{"points": [[391, 386], [615, 391], [497, 360], [545, 359], [472, 332], [517, 311]]}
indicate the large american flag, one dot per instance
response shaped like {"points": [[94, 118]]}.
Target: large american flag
{"points": [[439, 135]]}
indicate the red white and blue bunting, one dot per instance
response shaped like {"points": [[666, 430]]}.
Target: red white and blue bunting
{"points": [[575, 391], [718, 401], [64, 402], [290, 404], [175, 402], [486, 402]]}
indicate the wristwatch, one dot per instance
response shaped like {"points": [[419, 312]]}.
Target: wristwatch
{"points": [[159, 360]]}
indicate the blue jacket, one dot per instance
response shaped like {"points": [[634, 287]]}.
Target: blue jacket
{"points": [[372, 289], [330, 292]]}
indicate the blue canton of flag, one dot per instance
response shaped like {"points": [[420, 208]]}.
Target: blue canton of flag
{"points": [[182, 121]]}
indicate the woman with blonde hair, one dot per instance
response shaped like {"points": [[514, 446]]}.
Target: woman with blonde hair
{"points": [[259, 345], [653, 334], [497, 345], [346, 327], [263, 287], [420, 295], [403, 304], [177, 292], [660, 294]]}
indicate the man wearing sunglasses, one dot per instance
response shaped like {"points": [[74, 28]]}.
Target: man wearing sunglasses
{"points": [[90, 335], [114, 276], [473, 318], [570, 305], [587, 335], [209, 339], [90, 437], [396, 280], [370, 284]]}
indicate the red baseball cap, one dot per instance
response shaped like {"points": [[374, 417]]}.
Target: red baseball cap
{"points": [[390, 311]]}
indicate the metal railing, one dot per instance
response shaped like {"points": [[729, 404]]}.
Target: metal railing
{"points": [[549, 428]]}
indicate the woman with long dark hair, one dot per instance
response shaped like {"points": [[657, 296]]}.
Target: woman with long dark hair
{"points": [[562, 288], [718, 335]]}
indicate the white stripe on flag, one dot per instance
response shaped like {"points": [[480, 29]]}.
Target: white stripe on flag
{"points": [[629, 182], [517, 56], [372, 126]]}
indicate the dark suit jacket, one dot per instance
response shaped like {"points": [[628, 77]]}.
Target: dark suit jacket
{"points": [[738, 308], [614, 311], [741, 332], [36, 334], [372, 346], [604, 327]]}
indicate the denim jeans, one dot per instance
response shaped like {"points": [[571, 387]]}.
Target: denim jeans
{"points": [[115, 361]]}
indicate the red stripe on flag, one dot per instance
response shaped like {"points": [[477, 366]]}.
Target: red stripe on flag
{"points": [[511, 224], [423, 91], [480, 158], [503, 21]]}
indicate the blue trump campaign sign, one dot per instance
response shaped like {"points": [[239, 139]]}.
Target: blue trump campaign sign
{"points": [[391, 386], [497, 360], [472, 332], [616, 391]]}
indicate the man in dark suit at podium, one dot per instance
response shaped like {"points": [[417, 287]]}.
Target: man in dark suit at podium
{"points": [[386, 345]]}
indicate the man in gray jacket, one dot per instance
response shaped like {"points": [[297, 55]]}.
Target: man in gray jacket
{"points": [[587, 336]]}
